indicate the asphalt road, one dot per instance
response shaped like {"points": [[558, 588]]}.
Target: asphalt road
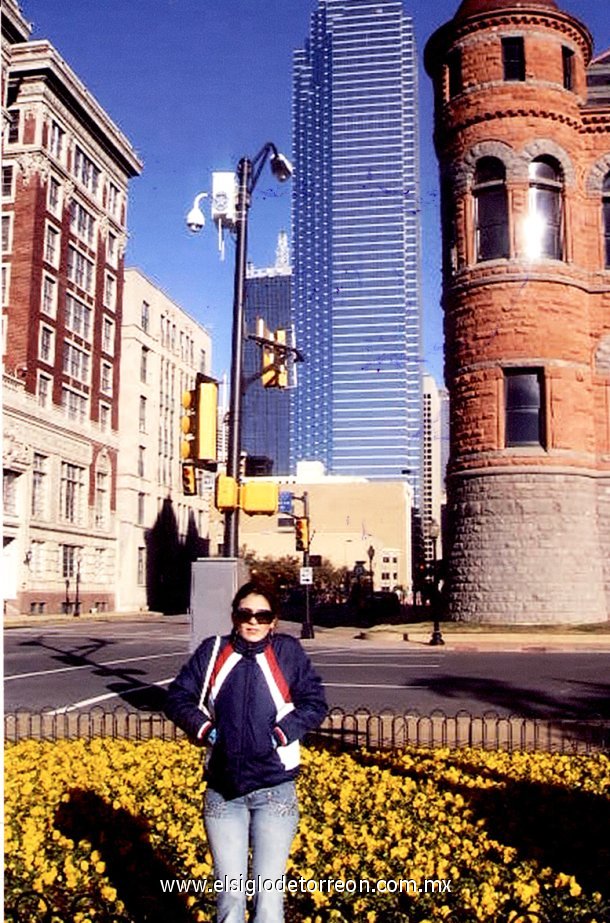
{"points": [[103, 664]]}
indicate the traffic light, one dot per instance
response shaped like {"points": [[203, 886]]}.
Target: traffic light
{"points": [[227, 494], [189, 480], [301, 531], [259, 498], [199, 421], [274, 373], [280, 360]]}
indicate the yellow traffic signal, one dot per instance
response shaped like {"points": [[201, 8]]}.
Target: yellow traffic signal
{"points": [[188, 426], [259, 497], [280, 360], [227, 493], [199, 422], [207, 420], [301, 531], [189, 480]]}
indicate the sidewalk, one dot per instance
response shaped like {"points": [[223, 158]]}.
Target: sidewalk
{"points": [[416, 636]]}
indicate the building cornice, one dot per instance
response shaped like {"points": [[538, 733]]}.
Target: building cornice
{"points": [[41, 60]]}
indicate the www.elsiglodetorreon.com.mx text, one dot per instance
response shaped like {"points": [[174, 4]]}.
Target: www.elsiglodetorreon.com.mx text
{"points": [[304, 885]]}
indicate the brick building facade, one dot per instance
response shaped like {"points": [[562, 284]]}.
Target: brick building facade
{"points": [[522, 122], [65, 173]]}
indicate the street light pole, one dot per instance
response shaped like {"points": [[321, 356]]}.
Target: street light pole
{"points": [[437, 638], [244, 172], [248, 172]]}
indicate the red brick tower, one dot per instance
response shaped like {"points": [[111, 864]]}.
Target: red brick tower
{"points": [[524, 154]]}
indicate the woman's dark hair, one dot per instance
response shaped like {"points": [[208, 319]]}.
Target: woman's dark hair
{"points": [[260, 588]]}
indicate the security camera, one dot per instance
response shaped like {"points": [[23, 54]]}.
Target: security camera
{"points": [[281, 167], [195, 220]]}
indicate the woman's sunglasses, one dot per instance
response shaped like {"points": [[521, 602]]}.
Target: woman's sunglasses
{"points": [[262, 616]]}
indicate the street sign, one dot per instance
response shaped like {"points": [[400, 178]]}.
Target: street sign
{"points": [[315, 560], [285, 502], [306, 577]]}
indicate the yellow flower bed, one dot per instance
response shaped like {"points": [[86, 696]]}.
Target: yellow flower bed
{"points": [[514, 834]]}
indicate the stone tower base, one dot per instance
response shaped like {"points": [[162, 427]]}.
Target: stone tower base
{"points": [[529, 548]]}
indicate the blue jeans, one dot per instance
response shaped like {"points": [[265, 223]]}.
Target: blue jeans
{"points": [[265, 820]]}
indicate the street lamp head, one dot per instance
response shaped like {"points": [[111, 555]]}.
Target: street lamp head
{"points": [[281, 167], [195, 220]]}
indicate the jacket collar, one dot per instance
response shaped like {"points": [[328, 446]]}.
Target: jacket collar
{"points": [[249, 648]]}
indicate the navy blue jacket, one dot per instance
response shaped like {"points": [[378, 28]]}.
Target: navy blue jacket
{"points": [[262, 698]]}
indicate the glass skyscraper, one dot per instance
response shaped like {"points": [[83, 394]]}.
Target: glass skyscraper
{"points": [[357, 406], [266, 411]]}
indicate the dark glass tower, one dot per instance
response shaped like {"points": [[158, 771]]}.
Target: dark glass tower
{"points": [[357, 407], [266, 411]]}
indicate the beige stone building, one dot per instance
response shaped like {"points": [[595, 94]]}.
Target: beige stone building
{"points": [[347, 517], [163, 349]]}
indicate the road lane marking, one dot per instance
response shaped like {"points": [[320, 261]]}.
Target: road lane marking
{"points": [[88, 666], [104, 698]]}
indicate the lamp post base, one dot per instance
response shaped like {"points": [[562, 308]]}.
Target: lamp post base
{"points": [[437, 637]]}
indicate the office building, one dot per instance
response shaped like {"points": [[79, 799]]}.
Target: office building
{"points": [[160, 529], [65, 173], [266, 411], [356, 298]]}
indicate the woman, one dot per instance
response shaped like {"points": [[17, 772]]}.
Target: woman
{"points": [[249, 696]]}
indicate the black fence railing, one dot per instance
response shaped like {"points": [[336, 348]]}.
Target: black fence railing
{"points": [[341, 729]]}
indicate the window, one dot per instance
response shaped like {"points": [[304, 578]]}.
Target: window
{"points": [[70, 559], [113, 199], [39, 486], [71, 492], [141, 508], [54, 196], [86, 171], [37, 561], [202, 361], [7, 182], [141, 578], [142, 414], [80, 269], [568, 67], [144, 364], [141, 457], [9, 492], [110, 291], [606, 210], [74, 404], [513, 58], [7, 233], [49, 296], [82, 222], [108, 336], [101, 500], [46, 345], [43, 390], [14, 121], [51, 245], [454, 70], [491, 209], [111, 249], [524, 402], [6, 280], [56, 140], [76, 363], [78, 317], [106, 378], [544, 224], [104, 418], [145, 316]]}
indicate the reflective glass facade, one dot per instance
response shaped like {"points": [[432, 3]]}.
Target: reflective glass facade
{"points": [[357, 407], [266, 411]]}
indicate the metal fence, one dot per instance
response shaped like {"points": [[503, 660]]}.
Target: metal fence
{"points": [[341, 729]]}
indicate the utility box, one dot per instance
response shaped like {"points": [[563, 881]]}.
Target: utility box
{"points": [[214, 583]]}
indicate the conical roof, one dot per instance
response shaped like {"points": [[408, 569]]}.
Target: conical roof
{"points": [[476, 7]]}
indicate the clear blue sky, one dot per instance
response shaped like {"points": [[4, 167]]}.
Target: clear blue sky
{"points": [[197, 84]]}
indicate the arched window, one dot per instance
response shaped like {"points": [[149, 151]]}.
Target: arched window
{"points": [[544, 226], [606, 210], [491, 209]]}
